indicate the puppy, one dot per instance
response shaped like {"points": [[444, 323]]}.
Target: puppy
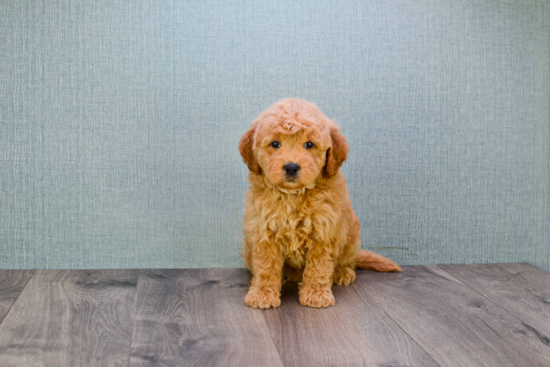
{"points": [[299, 225]]}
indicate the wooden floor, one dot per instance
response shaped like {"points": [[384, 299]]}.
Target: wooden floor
{"points": [[457, 315]]}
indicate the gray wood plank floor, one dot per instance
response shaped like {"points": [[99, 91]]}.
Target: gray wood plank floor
{"points": [[454, 315], [12, 283], [71, 318], [197, 318]]}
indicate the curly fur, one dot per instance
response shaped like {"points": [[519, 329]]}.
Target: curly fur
{"points": [[302, 228]]}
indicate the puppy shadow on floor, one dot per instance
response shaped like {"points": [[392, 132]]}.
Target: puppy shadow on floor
{"points": [[289, 293]]}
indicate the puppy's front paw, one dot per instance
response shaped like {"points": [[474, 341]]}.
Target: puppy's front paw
{"points": [[263, 298], [316, 298]]}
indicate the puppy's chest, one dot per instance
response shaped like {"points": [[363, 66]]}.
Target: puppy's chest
{"points": [[290, 224]]}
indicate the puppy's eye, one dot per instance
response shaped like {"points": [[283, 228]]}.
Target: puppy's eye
{"points": [[308, 145], [276, 144]]}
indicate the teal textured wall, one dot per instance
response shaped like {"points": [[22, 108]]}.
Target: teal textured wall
{"points": [[119, 125]]}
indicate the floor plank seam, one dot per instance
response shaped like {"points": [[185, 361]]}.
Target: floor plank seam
{"points": [[514, 278], [524, 323], [243, 272], [400, 327], [19, 295], [133, 319]]}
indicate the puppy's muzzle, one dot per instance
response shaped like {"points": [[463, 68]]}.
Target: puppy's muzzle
{"points": [[291, 169]]}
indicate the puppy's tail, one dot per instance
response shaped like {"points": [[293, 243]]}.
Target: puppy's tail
{"points": [[368, 260]]}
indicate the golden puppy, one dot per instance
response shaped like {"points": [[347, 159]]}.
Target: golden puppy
{"points": [[298, 222]]}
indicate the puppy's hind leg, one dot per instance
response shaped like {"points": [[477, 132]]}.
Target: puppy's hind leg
{"points": [[344, 275]]}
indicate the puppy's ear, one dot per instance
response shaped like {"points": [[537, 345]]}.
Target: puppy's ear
{"points": [[245, 147], [337, 154]]}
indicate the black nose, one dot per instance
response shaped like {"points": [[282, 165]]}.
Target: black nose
{"points": [[291, 169]]}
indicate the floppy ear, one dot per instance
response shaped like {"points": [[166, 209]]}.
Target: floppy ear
{"points": [[245, 147], [337, 154]]}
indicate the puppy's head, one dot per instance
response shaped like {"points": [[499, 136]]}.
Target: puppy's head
{"points": [[293, 144]]}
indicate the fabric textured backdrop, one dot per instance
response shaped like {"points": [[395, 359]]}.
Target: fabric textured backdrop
{"points": [[119, 125]]}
